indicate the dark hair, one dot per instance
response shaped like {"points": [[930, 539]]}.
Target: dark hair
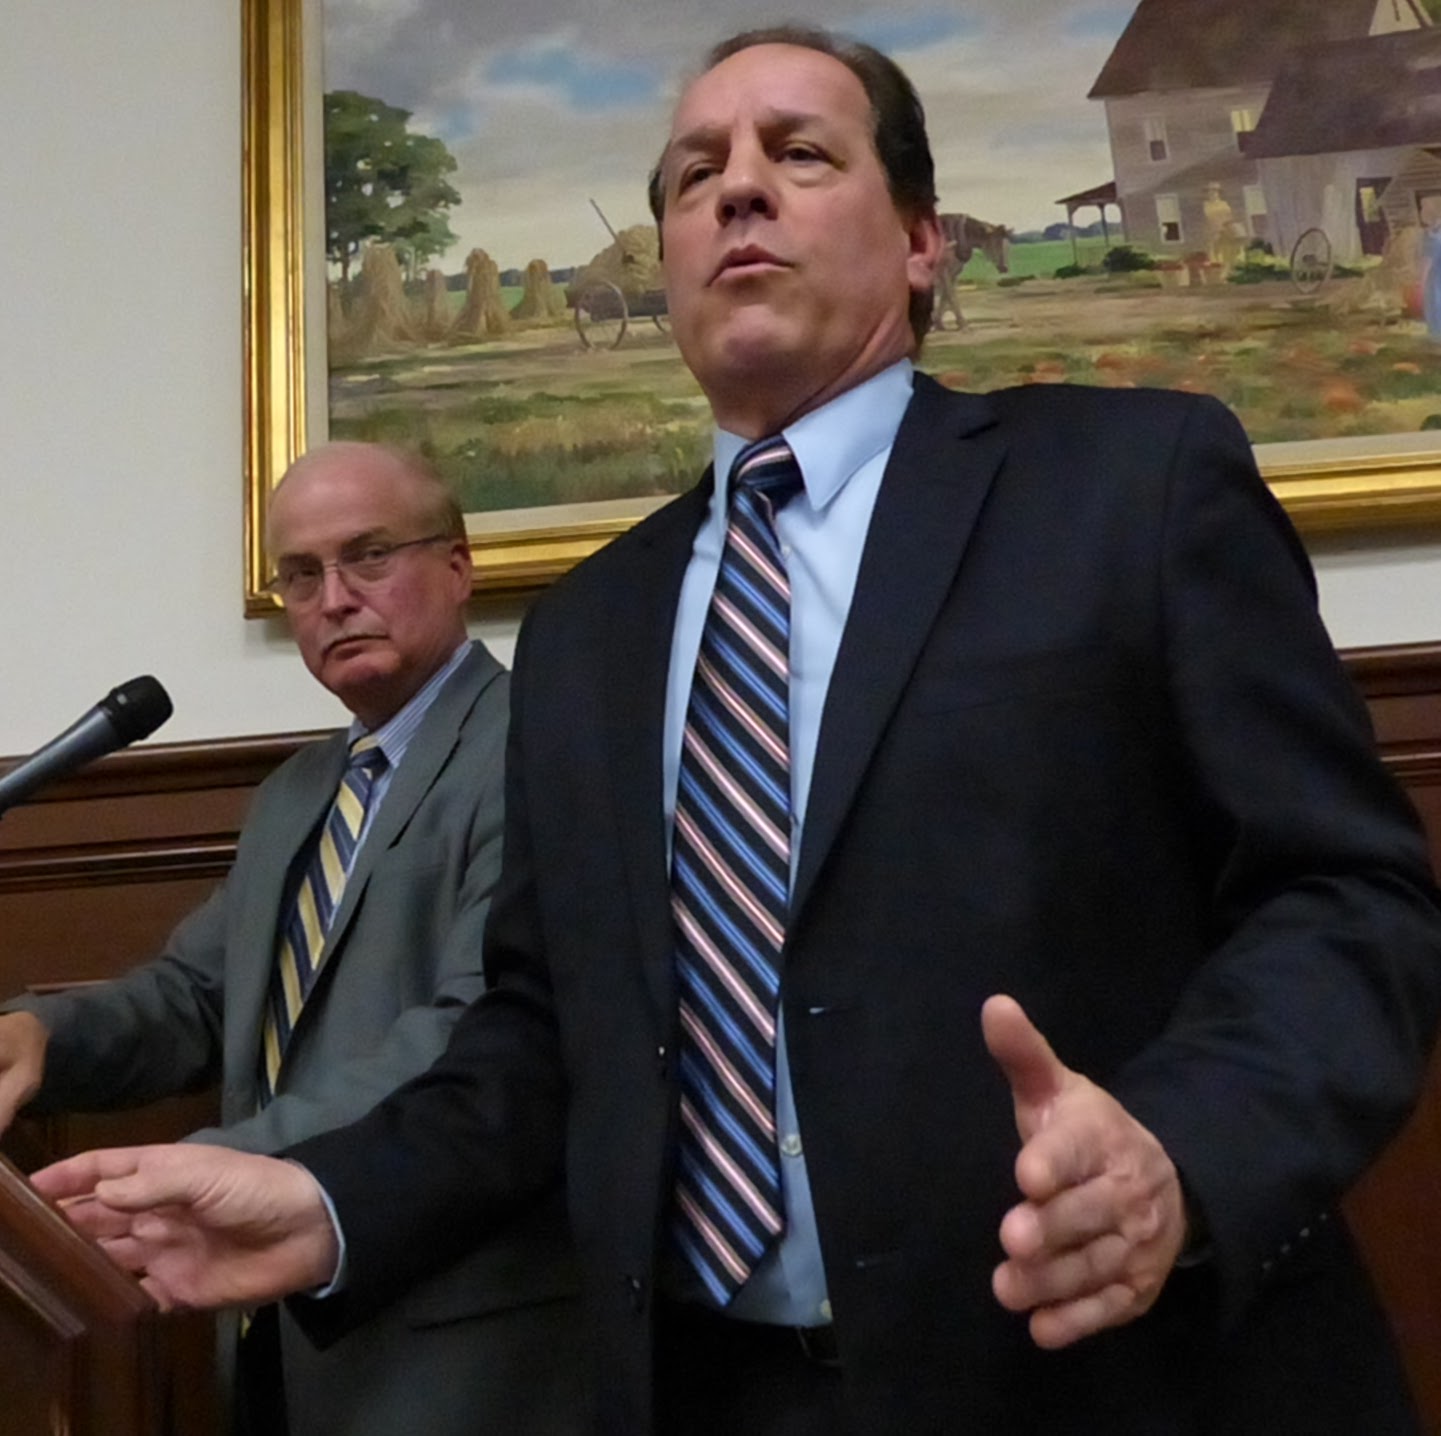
{"points": [[899, 125]]}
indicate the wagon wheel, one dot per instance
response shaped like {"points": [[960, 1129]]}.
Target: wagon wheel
{"points": [[661, 322], [1311, 261], [600, 315]]}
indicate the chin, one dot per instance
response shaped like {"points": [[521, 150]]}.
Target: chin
{"points": [[356, 679], [757, 345], [727, 335]]}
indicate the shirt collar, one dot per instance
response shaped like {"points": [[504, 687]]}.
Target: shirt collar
{"points": [[832, 442]]}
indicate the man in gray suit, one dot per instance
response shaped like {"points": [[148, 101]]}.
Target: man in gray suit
{"points": [[332, 963]]}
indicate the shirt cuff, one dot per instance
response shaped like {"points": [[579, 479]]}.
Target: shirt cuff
{"points": [[337, 1277]]}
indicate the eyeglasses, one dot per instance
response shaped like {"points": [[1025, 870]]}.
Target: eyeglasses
{"points": [[359, 566]]}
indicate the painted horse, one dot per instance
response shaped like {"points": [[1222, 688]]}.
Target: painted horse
{"points": [[964, 235]]}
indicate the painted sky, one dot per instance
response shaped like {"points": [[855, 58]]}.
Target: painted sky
{"points": [[547, 103]]}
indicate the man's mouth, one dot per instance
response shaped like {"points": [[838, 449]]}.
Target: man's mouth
{"points": [[347, 638], [748, 258]]}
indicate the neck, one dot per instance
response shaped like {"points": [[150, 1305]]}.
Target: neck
{"points": [[758, 402]]}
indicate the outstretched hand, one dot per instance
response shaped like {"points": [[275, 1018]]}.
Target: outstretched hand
{"points": [[1103, 1217], [200, 1226]]}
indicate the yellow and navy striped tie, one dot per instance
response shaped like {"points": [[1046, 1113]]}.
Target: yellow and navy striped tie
{"points": [[302, 944]]}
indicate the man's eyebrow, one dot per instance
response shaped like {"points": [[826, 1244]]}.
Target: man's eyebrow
{"points": [[380, 531], [706, 138], [371, 535]]}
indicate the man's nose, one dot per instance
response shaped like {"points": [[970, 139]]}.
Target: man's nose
{"points": [[335, 594], [746, 188]]}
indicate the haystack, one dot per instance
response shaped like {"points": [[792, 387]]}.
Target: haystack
{"points": [[541, 300], [434, 306], [483, 315], [381, 317]]}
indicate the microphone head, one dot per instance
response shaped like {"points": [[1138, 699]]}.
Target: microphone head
{"points": [[137, 708]]}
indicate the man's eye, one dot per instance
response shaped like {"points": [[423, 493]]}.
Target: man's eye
{"points": [[694, 175], [299, 572], [800, 152]]}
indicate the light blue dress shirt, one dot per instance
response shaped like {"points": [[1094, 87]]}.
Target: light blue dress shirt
{"points": [[393, 738], [842, 449]]}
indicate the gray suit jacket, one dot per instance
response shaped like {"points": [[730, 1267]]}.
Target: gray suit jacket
{"points": [[488, 1344]]}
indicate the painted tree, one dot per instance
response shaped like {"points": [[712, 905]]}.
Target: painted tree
{"points": [[383, 183]]}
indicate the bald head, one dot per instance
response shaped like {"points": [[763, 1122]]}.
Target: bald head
{"points": [[387, 540], [405, 470]]}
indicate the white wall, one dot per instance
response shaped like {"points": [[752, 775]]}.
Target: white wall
{"points": [[120, 388]]}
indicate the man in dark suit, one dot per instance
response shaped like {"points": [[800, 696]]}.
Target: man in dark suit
{"points": [[1016, 694], [374, 570]]}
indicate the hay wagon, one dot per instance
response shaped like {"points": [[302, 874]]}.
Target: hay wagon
{"points": [[614, 288], [603, 311]]}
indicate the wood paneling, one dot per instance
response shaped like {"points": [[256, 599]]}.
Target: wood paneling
{"points": [[1395, 1210], [94, 872]]}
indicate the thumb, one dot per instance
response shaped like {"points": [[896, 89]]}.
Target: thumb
{"points": [[1036, 1075]]}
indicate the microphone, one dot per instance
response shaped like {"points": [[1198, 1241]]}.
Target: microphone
{"points": [[131, 711]]}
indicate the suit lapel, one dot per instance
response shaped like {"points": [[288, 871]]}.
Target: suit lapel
{"points": [[425, 757], [945, 455], [641, 625]]}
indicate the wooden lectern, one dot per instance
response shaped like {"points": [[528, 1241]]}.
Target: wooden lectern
{"points": [[79, 1353]]}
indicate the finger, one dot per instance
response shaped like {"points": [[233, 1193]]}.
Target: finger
{"points": [[12, 1097], [165, 1179], [1075, 1216], [182, 1175], [1053, 1327], [1068, 1152], [1035, 1074], [19, 1082], [94, 1219], [127, 1253], [77, 1176], [1068, 1277]]}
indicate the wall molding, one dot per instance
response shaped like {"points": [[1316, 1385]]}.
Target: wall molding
{"points": [[172, 811], [155, 814]]}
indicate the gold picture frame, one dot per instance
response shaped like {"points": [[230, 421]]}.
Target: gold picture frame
{"points": [[1324, 494], [275, 350]]}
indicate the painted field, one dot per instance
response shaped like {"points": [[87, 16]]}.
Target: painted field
{"points": [[536, 419]]}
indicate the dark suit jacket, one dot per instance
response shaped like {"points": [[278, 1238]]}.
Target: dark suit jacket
{"points": [[1086, 742], [480, 1339]]}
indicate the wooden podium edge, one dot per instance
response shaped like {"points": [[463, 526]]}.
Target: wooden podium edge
{"points": [[102, 1323]]}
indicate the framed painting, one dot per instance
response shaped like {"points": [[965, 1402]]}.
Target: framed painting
{"points": [[447, 243]]}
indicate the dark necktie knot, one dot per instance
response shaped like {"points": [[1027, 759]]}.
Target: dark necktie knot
{"points": [[366, 757]]}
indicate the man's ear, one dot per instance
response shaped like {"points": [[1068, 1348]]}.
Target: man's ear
{"points": [[926, 244]]}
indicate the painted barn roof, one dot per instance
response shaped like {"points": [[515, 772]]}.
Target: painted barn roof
{"points": [[1357, 95], [1204, 44]]}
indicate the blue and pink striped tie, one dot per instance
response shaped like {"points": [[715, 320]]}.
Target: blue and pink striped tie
{"points": [[730, 877]]}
